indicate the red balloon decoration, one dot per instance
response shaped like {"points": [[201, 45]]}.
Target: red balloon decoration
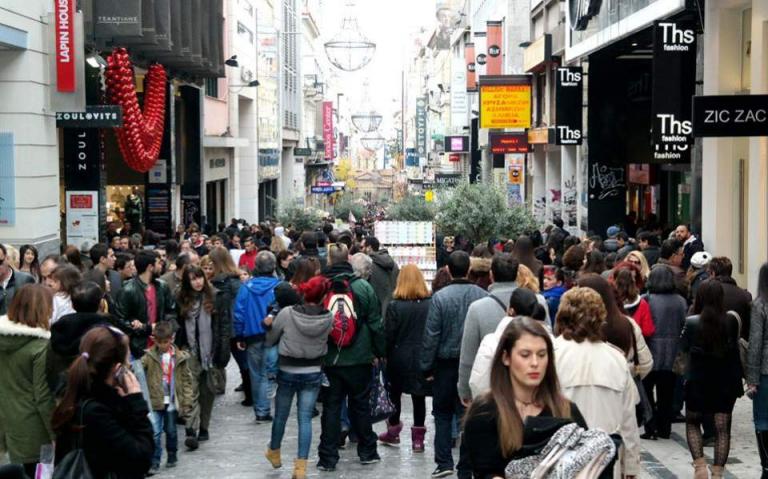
{"points": [[141, 135]]}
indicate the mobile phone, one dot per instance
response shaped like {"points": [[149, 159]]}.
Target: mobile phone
{"points": [[120, 376]]}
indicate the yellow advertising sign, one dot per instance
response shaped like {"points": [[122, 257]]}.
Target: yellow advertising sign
{"points": [[429, 196], [505, 106]]}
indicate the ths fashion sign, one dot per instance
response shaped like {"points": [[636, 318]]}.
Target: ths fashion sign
{"points": [[730, 115], [569, 91], [674, 83], [505, 101]]}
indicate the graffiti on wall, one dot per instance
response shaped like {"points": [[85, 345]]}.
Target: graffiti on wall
{"points": [[570, 217], [606, 182]]}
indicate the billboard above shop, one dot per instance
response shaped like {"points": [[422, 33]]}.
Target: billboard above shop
{"points": [[505, 101]]}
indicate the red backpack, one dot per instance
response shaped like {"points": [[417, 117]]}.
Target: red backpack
{"points": [[341, 303]]}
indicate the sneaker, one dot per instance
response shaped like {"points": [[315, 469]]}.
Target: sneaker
{"points": [[370, 460], [263, 419], [172, 461], [203, 435], [155, 469], [325, 467], [442, 471]]}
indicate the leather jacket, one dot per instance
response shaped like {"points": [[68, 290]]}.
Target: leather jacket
{"points": [[132, 304]]}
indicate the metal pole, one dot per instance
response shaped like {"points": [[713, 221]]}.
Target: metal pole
{"points": [[402, 119]]}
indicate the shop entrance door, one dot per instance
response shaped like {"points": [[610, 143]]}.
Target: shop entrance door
{"points": [[215, 203]]}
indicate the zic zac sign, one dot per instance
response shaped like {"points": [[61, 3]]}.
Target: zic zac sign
{"points": [[141, 135]]}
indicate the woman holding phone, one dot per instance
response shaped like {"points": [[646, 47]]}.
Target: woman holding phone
{"points": [[103, 411]]}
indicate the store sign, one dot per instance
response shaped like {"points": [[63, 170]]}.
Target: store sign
{"points": [[324, 190], [581, 12], [117, 18], [82, 157], [569, 92], [541, 136], [454, 158], [82, 213], [302, 152], [538, 53], [494, 47], [158, 174], [674, 83], [64, 16], [506, 143], [481, 59], [448, 179], [469, 59], [456, 144], [515, 174], [411, 159], [459, 101], [328, 129], [730, 115], [505, 101], [159, 208], [421, 126], [94, 116]]}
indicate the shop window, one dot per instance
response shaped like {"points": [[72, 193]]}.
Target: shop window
{"points": [[212, 87]]}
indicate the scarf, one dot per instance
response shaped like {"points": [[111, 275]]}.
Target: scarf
{"points": [[200, 334]]}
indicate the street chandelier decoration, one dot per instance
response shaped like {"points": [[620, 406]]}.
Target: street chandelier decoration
{"points": [[350, 50], [141, 135], [367, 122], [372, 143]]}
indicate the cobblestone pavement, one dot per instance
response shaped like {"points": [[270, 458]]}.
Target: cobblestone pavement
{"points": [[236, 449]]}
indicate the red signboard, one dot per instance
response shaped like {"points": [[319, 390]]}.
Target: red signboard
{"points": [[328, 129], [81, 202], [64, 17], [503, 143], [495, 40], [454, 158]]}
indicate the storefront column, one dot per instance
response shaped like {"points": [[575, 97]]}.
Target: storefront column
{"points": [[539, 191], [569, 188], [554, 187]]}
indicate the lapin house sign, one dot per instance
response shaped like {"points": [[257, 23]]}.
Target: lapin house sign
{"points": [[674, 83], [65, 46]]}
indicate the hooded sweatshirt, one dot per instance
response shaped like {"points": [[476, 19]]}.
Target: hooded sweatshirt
{"points": [[302, 333], [384, 272], [252, 305]]}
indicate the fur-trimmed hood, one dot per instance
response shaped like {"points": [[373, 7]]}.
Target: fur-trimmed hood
{"points": [[14, 336], [480, 265]]}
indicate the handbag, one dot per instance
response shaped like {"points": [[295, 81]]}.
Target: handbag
{"points": [[643, 409], [571, 453], [742, 344], [217, 380], [680, 366], [381, 406], [75, 465]]}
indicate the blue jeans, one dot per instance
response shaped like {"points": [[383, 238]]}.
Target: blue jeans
{"points": [[306, 387], [760, 405], [166, 422], [258, 365]]}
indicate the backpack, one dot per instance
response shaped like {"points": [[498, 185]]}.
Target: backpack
{"points": [[341, 303]]}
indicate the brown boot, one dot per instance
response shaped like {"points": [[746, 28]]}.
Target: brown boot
{"points": [[700, 469], [717, 472], [299, 469], [273, 456]]}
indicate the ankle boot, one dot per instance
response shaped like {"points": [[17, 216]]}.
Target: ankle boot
{"points": [[299, 469], [762, 448], [273, 456], [417, 438], [700, 469], [717, 472], [248, 401], [392, 436]]}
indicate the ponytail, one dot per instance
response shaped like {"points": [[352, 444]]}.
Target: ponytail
{"points": [[78, 386]]}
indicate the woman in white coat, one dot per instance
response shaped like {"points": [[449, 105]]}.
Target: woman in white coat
{"points": [[595, 374]]}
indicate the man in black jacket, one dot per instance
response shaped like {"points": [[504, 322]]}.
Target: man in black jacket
{"points": [[691, 244], [734, 298], [384, 272], [649, 245], [10, 281]]}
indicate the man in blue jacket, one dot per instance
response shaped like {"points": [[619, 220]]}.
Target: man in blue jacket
{"points": [[252, 306]]}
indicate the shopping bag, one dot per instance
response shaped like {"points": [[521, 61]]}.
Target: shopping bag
{"points": [[380, 405]]}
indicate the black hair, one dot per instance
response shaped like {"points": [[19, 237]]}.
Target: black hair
{"points": [[182, 260], [309, 240], [661, 280], [121, 259], [762, 282], [648, 237], [87, 296], [668, 248], [504, 267], [143, 260], [98, 251], [525, 303], [373, 242], [622, 235], [458, 264]]}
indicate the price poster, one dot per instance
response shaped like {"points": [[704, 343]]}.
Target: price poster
{"points": [[505, 101]]}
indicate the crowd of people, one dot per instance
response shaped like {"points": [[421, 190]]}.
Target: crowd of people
{"points": [[106, 351]]}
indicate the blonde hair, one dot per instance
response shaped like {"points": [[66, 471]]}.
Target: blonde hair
{"points": [[277, 245], [526, 279], [12, 256], [410, 284], [645, 270]]}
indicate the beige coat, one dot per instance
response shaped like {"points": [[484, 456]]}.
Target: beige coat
{"points": [[597, 378]]}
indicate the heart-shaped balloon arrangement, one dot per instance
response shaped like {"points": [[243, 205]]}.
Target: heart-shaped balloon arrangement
{"points": [[141, 135]]}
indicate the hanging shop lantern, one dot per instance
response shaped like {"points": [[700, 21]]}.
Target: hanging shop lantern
{"points": [[141, 135], [372, 143], [349, 49], [367, 122]]}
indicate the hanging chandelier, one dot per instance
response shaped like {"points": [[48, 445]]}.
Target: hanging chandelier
{"points": [[372, 143], [367, 122], [350, 50]]}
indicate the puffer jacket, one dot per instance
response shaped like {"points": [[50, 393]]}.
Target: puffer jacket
{"points": [[302, 333], [26, 402], [132, 304], [183, 381], [445, 321], [384, 273], [369, 342]]}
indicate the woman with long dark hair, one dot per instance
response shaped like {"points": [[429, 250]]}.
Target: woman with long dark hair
{"points": [[103, 411], [524, 384], [524, 252], [205, 333], [757, 366], [714, 374], [63, 282], [595, 263], [30, 261], [404, 329]]}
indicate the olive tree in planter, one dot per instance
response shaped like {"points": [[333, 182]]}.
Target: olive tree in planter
{"points": [[412, 208], [479, 212], [345, 204], [298, 218]]}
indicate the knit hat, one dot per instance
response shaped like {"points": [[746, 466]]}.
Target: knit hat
{"points": [[613, 231], [314, 289], [701, 259]]}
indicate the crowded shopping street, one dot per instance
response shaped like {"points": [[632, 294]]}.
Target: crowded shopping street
{"points": [[472, 239]]}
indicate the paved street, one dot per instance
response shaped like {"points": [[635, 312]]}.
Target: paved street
{"points": [[236, 450]]}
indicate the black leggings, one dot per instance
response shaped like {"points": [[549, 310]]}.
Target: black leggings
{"points": [[419, 407]]}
